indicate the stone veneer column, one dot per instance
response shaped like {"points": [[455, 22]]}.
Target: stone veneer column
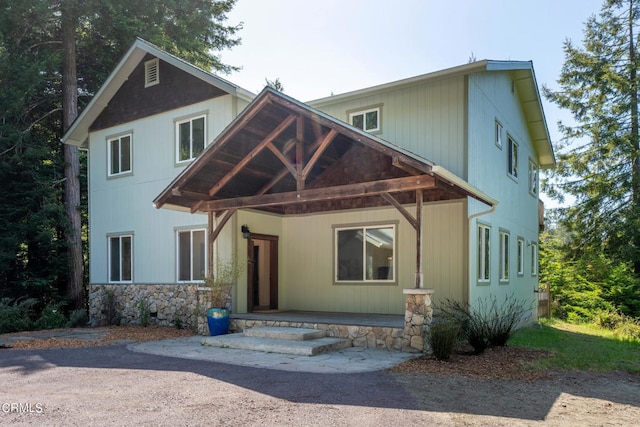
{"points": [[417, 317]]}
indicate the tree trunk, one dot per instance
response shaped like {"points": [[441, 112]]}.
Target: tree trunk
{"points": [[75, 287]]}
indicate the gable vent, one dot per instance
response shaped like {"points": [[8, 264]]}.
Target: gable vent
{"points": [[151, 72]]}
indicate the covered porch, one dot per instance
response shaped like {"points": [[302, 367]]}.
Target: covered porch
{"points": [[283, 159]]}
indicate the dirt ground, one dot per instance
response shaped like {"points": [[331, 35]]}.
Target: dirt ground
{"points": [[54, 380]]}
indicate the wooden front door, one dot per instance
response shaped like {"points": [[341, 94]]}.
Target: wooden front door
{"points": [[262, 272]]}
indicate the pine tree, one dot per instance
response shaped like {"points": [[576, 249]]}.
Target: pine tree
{"points": [[599, 157]]}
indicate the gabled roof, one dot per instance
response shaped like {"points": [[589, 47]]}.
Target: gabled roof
{"points": [[525, 81], [280, 155], [79, 130]]}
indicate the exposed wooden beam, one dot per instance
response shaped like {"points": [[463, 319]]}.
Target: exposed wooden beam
{"points": [[316, 155], [240, 165], [282, 158], [364, 189], [392, 201], [299, 153], [409, 165], [215, 228]]}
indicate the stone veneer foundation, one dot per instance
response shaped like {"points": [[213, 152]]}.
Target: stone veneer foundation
{"points": [[186, 303], [168, 304]]}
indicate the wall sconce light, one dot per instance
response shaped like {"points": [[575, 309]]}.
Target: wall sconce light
{"points": [[246, 233]]}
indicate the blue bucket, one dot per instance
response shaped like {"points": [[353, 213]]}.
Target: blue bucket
{"points": [[218, 321]]}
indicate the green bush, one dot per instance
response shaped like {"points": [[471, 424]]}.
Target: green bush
{"points": [[51, 318], [628, 331], [16, 315], [143, 312], [442, 338], [487, 323], [78, 318]]}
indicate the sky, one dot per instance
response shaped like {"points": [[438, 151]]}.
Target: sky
{"points": [[321, 47]]}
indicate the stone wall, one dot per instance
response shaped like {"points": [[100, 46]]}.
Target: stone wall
{"points": [[167, 304], [417, 319], [361, 336]]}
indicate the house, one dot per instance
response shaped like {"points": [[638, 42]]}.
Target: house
{"points": [[335, 205]]}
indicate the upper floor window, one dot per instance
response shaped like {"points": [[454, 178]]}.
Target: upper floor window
{"points": [[151, 72], [484, 265], [120, 258], [364, 254], [534, 259], [533, 178], [512, 160], [190, 137], [119, 155], [192, 253], [504, 256], [498, 134], [367, 120]]}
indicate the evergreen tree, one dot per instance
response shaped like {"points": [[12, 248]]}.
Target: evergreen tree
{"points": [[68, 47], [599, 157]]}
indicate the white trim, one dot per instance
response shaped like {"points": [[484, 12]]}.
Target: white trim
{"points": [[191, 231], [177, 124], [392, 264], [364, 113], [151, 72], [118, 138], [120, 261]]}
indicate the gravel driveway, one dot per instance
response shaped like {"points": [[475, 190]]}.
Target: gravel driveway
{"points": [[110, 385]]}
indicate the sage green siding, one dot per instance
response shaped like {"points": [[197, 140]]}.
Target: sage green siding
{"points": [[426, 118], [306, 258]]}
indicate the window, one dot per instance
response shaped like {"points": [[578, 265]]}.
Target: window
{"points": [[520, 256], [192, 253], [483, 253], [533, 178], [367, 120], [498, 135], [365, 254], [534, 259], [504, 256], [151, 72], [190, 136], [512, 161], [120, 258], [119, 155]]}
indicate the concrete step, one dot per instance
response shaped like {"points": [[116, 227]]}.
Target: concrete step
{"points": [[275, 345], [285, 333]]}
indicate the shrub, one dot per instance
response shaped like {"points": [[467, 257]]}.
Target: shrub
{"points": [[51, 317], [16, 315], [488, 323], [144, 312], [609, 319], [442, 338], [78, 318]]}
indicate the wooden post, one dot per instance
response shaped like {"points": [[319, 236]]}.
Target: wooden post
{"points": [[211, 229], [419, 236]]}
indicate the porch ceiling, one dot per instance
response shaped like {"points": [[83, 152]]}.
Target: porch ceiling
{"points": [[282, 156]]}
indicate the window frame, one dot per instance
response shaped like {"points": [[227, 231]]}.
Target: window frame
{"points": [[498, 130], [118, 138], [121, 261], [512, 161], [534, 258], [483, 275], [533, 178], [363, 113], [504, 258], [189, 120], [364, 280], [520, 256], [191, 232]]}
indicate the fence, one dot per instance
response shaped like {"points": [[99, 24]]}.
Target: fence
{"points": [[544, 301]]}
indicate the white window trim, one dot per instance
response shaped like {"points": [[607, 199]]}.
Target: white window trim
{"points": [[151, 72], [534, 259], [110, 154], [533, 178], [520, 256], [484, 254], [504, 256], [110, 261], [206, 249], [364, 122], [498, 130], [512, 166], [364, 258], [177, 124]]}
